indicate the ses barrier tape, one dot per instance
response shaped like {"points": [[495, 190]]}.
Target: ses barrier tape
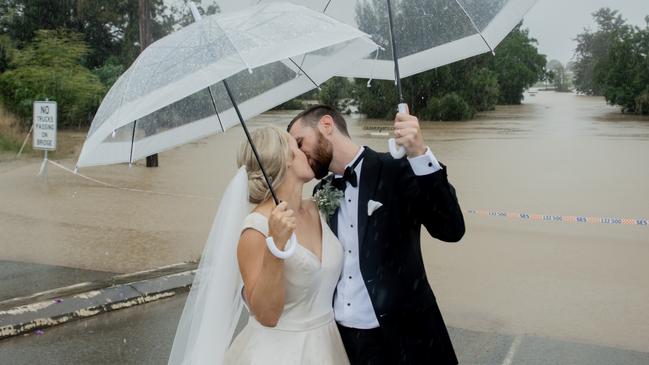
{"points": [[485, 213], [561, 218]]}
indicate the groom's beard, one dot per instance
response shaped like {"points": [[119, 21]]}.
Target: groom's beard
{"points": [[321, 157]]}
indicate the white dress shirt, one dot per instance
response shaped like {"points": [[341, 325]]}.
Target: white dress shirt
{"points": [[352, 304]]}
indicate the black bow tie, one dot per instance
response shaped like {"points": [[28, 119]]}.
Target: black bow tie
{"points": [[349, 176]]}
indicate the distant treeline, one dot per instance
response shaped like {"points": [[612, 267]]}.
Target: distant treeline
{"points": [[613, 61], [452, 92]]}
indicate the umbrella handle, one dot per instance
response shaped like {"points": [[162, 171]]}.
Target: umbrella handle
{"points": [[396, 150], [289, 249]]}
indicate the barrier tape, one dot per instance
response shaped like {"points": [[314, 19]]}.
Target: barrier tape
{"points": [[484, 213], [561, 218]]}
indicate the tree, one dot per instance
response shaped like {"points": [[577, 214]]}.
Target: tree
{"points": [[593, 48], [109, 28], [623, 75], [336, 92], [517, 64], [613, 62], [559, 76], [479, 82]]}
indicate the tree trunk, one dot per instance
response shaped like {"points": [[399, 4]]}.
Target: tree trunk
{"points": [[146, 38]]}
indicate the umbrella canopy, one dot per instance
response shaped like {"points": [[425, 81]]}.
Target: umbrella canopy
{"points": [[173, 93], [428, 33]]}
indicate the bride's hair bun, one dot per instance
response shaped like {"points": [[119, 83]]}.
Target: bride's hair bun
{"points": [[274, 151]]}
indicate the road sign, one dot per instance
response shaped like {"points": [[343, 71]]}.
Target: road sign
{"points": [[45, 119]]}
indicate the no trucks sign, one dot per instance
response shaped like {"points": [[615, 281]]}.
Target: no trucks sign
{"points": [[44, 137]]}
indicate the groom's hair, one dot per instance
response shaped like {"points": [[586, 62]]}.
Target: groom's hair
{"points": [[312, 115]]}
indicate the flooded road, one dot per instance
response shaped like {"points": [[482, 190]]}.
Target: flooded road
{"points": [[557, 154]]}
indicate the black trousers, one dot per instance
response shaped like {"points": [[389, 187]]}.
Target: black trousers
{"points": [[365, 347], [418, 337]]}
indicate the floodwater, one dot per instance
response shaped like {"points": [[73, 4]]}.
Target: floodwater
{"points": [[557, 154]]}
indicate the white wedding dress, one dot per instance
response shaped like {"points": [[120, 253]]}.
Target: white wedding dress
{"points": [[306, 332]]}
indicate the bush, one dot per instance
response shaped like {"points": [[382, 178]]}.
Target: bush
{"points": [[49, 69], [336, 92], [642, 103], [432, 110], [76, 91], [377, 101], [482, 90], [453, 107], [109, 72], [450, 107]]}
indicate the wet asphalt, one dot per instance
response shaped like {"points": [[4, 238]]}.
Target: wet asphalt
{"points": [[23, 278], [144, 335]]}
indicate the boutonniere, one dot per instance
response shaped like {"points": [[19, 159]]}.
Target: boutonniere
{"points": [[328, 199]]}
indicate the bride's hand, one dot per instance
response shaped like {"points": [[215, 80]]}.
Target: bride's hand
{"points": [[281, 224]]}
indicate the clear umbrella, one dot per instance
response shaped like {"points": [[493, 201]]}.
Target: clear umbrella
{"points": [[427, 33], [177, 89], [417, 35]]}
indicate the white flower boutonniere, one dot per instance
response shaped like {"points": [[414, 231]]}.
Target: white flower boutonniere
{"points": [[328, 199]]}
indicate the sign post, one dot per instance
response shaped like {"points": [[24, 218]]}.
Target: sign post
{"points": [[44, 129]]}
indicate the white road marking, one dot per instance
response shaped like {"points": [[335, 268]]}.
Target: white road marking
{"points": [[512, 350]]}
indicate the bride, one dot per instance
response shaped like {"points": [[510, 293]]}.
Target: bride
{"points": [[289, 299]]}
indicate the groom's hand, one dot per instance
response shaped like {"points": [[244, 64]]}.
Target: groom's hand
{"points": [[408, 134]]}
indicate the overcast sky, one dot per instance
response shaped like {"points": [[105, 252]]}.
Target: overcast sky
{"points": [[555, 23]]}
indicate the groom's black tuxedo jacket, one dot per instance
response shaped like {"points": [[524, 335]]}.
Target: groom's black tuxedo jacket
{"points": [[390, 253]]}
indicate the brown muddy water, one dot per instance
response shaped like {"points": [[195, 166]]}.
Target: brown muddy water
{"points": [[558, 154]]}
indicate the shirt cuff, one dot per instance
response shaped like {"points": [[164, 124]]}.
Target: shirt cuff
{"points": [[425, 164]]}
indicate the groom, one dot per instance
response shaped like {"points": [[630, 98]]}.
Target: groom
{"points": [[384, 306]]}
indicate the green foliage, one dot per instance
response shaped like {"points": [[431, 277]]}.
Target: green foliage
{"points": [[482, 89], [336, 92], [453, 107], [109, 72], [593, 48], [49, 68], [53, 48], [7, 51], [614, 62], [475, 84], [479, 82], [450, 107], [377, 101], [518, 65], [110, 28], [432, 111]]}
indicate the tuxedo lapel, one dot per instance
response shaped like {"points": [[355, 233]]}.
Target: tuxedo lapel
{"points": [[368, 183], [333, 222]]}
